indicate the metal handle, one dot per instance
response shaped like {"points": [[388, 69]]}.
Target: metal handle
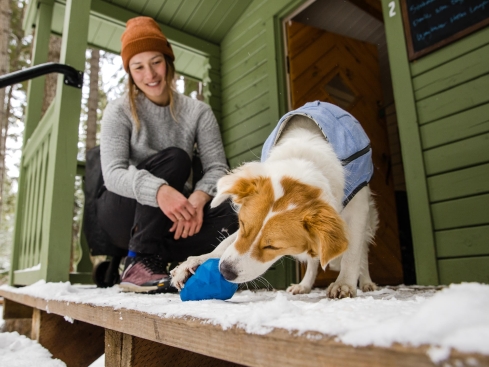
{"points": [[73, 77]]}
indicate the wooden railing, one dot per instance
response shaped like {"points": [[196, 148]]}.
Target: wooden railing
{"points": [[32, 213], [44, 213], [34, 169]]}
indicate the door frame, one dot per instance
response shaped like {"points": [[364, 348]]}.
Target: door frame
{"points": [[285, 47]]}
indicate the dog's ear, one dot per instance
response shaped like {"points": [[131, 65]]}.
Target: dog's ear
{"points": [[237, 184], [328, 231]]}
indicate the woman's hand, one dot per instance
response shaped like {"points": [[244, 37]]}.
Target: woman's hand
{"points": [[174, 205], [187, 228]]}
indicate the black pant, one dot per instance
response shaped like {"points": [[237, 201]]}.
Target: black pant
{"points": [[145, 229]]}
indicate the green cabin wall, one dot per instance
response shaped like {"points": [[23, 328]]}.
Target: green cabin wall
{"points": [[253, 92], [252, 79], [442, 101]]}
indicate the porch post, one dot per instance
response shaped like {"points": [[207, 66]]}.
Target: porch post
{"points": [[35, 89], [412, 151], [39, 56], [59, 199]]}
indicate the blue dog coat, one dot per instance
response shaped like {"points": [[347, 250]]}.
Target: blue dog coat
{"points": [[344, 133]]}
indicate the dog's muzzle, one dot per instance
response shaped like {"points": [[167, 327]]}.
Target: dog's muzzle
{"points": [[227, 270]]}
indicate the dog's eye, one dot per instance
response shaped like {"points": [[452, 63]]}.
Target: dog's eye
{"points": [[270, 247]]}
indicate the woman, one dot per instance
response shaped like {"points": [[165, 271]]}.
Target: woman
{"points": [[147, 143]]}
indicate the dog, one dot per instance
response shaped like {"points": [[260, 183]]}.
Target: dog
{"points": [[308, 198]]}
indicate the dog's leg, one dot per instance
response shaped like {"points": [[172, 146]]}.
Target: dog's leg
{"points": [[182, 272], [366, 284], [306, 283], [356, 218]]}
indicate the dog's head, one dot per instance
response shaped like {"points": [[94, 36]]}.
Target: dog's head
{"points": [[277, 216]]}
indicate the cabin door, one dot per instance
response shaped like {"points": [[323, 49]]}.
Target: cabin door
{"points": [[332, 68]]}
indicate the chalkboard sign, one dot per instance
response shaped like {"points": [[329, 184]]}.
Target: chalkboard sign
{"points": [[431, 24]]}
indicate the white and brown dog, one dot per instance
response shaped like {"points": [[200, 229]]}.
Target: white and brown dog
{"points": [[308, 198]]}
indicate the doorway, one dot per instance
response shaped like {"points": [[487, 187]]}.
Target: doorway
{"points": [[336, 52]]}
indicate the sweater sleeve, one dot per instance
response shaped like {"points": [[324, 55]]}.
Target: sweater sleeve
{"points": [[211, 152], [120, 177]]}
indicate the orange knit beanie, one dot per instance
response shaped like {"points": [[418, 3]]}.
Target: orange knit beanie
{"points": [[143, 34]]}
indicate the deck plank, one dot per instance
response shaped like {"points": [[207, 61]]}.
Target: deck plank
{"points": [[277, 348]]}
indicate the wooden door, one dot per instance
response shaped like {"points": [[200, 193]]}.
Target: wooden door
{"points": [[344, 71]]}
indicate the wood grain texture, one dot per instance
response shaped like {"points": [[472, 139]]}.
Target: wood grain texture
{"points": [[17, 317], [124, 350], [458, 184], [457, 155], [454, 100], [470, 269], [465, 212], [279, 348], [453, 73], [78, 344], [463, 125], [462, 242]]}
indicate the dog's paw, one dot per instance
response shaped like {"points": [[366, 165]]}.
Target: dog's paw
{"points": [[298, 289], [181, 273], [368, 287], [336, 290]]}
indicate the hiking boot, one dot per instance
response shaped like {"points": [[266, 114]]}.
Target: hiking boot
{"points": [[146, 274]]}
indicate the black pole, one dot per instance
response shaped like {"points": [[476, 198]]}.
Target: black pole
{"points": [[73, 77]]}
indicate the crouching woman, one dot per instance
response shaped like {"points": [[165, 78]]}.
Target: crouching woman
{"points": [[147, 143]]}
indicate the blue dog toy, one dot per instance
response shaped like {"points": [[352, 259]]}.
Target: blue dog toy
{"points": [[207, 283]]}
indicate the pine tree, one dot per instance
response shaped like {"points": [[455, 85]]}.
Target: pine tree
{"points": [[93, 100], [5, 16]]}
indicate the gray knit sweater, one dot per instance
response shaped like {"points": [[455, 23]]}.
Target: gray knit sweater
{"points": [[123, 147]]}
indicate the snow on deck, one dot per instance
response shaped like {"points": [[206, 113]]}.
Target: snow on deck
{"points": [[452, 317]]}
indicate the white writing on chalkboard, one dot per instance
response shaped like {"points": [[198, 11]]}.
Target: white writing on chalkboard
{"points": [[422, 36], [481, 6], [415, 8], [433, 21]]}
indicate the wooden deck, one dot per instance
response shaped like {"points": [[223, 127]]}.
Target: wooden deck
{"points": [[78, 333]]}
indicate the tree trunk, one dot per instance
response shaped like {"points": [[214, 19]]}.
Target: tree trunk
{"points": [[51, 79], [5, 15], [93, 98]]}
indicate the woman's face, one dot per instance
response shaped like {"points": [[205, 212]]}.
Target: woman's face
{"points": [[148, 70]]}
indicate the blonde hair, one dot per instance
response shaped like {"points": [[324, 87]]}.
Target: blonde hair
{"points": [[133, 91]]}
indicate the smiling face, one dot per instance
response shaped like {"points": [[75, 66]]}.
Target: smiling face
{"points": [[293, 221], [148, 71]]}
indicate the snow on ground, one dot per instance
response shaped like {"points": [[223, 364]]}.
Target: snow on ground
{"points": [[19, 351], [453, 317]]}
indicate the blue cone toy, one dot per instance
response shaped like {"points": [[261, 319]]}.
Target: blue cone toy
{"points": [[208, 283]]}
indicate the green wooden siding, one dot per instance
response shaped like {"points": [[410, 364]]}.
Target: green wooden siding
{"points": [[471, 241], [253, 93], [460, 183], [451, 103], [464, 269], [462, 125], [244, 83]]}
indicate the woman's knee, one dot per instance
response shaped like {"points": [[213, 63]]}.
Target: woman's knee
{"points": [[172, 164], [178, 155]]}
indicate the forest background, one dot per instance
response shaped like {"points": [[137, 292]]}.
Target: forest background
{"points": [[104, 80]]}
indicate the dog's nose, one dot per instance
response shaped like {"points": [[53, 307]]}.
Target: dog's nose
{"points": [[227, 271]]}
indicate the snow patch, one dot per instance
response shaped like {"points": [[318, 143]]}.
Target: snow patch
{"points": [[19, 351]]}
